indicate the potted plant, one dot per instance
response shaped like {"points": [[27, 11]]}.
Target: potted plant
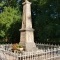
{"points": [[19, 47], [14, 46]]}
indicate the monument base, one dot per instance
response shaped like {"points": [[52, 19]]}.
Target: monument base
{"points": [[29, 46]]}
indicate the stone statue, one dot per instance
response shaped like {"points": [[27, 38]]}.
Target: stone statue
{"points": [[26, 31]]}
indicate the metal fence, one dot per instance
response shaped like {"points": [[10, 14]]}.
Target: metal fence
{"points": [[48, 53]]}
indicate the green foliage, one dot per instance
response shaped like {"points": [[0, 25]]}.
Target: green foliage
{"points": [[2, 3], [46, 21], [12, 3], [45, 18], [7, 18], [2, 33]]}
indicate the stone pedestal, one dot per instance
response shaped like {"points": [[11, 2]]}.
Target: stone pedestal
{"points": [[27, 32]]}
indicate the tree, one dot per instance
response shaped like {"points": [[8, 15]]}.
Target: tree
{"points": [[8, 17], [45, 18], [46, 14]]}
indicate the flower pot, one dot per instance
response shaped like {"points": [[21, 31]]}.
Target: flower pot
{"points": [[21, 49]]}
